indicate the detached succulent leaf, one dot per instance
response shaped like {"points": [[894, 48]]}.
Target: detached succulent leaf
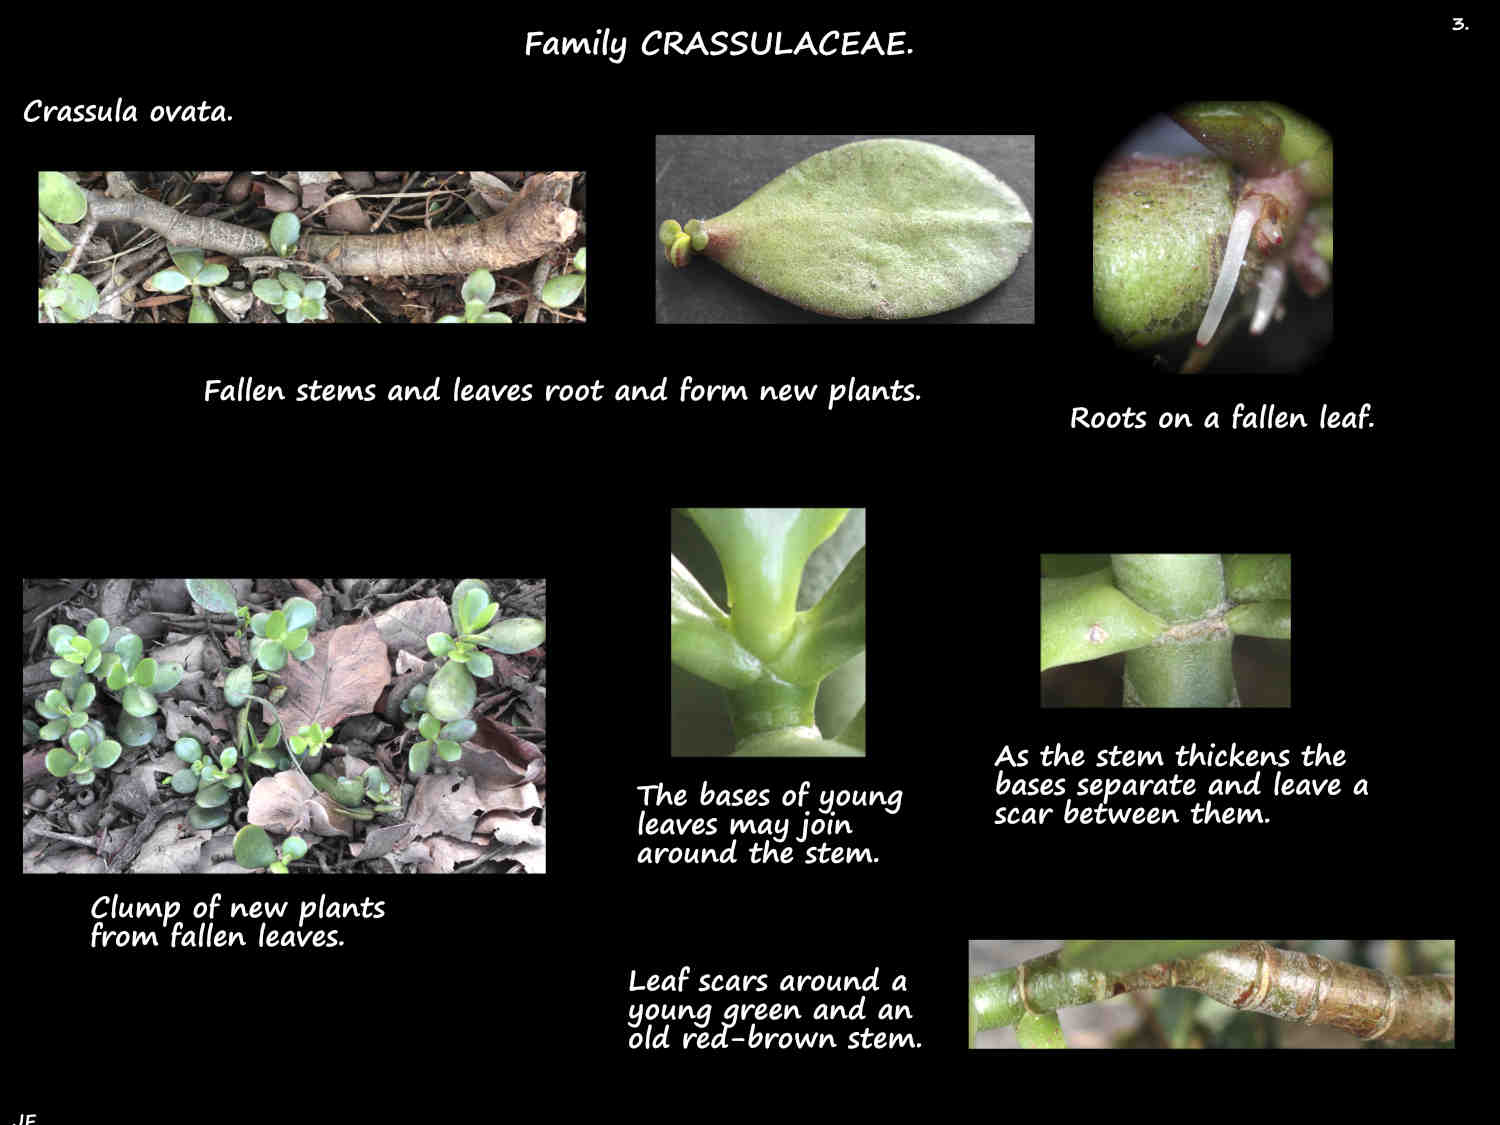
{"points": [[888, 229]]}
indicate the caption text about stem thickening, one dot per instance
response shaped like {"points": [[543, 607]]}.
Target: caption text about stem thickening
{"points": [[207, 924], [1211, 785], [710, 1011], [797, 827], [686, 390]]}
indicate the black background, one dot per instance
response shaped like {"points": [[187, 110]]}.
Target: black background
{"points": [[467, 983]]}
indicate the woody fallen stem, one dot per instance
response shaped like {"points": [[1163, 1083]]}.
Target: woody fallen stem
{"points": [[535, 222]]}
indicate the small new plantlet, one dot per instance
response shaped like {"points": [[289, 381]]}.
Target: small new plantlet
{"points": [[78, 653], [66, 708], [253, 849], [769, 658], [212, 783], [283, 634], [309, 740], [450, 696], [350, 793], [294, 298], [87, 750], [562, 291], [478, 288], [139, 679], [444, 738], [191, 271]]}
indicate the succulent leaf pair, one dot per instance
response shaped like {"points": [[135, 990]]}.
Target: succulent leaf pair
{"points": [[478, 288], [294, 298], [253, 849], [191, 271], [87, 750]]}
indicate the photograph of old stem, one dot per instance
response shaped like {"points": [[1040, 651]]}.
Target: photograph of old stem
{"points": [[312, 247], [1166, 630], [1212, 994], [284, 725]]}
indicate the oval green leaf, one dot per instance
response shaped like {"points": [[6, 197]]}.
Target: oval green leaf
{"points": [[451, 694], [888, 229], [59, 198], [214, 594], [284, 232], [518, 634], [252, 847], [563, 291], [1041, 1031]]}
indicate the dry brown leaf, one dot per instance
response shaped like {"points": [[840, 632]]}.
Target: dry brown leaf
{"points": [[280, 803], [407, 625], [347, 672]]}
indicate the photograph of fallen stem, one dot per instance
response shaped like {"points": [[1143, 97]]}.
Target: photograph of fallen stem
{"points": [[312, 247], [1212, 994]]}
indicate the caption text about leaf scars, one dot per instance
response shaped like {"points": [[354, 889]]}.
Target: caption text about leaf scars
{"points": [[797, 827], [211, 923], [686, 390], [1264, 416], [1191, 784], [710, 1011]]}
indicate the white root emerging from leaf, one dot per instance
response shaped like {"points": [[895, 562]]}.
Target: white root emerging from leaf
{"points": [[1272, 281], [1229, 273]]}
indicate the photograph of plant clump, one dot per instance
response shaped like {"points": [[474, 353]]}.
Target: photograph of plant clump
{"points": [[312, 247], [211, 725], [1212, 994], [1166, 630]]}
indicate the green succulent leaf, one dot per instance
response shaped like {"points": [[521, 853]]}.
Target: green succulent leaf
{"points": [[417, 759], [189, 749], [1041, 1030], [449, 751], [1094, 621], [560, 292], [170, 281], [450, 695], [184, 781], [271, 656], [201, 312], [59, 198], [202, 819], [238, 685], [285, 230], [514, 635], [138, 701], [135, 730], [887, 229], [214, 594], [60, 761], [252, 847]]}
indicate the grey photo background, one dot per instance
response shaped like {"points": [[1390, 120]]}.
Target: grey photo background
{"points": [[702, 176]]}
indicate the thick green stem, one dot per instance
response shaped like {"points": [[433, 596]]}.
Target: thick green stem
{"points": [[771, 704], [1251, 976], [1190, 665]]}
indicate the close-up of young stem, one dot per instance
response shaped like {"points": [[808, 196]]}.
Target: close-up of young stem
{"points": [[1175, 617], [1251, 976]]}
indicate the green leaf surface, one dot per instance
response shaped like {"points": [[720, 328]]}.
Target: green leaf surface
{"points": [[702, 642], [1035, 1032], [450, 695], [1127, 956], [1073, 566], [1261, 619], [253, 848], [514, 635], [1257, 578], [1094, 621], [59, 198], [1158, 226], [888, 229], [562, 291]]}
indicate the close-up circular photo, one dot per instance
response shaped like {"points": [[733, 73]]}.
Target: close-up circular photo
{"points": [[1213, 239]]}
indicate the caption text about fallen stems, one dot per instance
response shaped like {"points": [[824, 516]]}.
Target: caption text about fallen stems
{"points": [[686, 391], [210, 923], [796, 826], [1192, 784], [710, 1011]]}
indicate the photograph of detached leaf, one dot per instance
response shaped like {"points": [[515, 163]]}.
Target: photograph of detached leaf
{"points": [[1166, 630], [783, 661], [1200, 219], [210, 725], [1212, 994], [883, 229], [311, 247]]}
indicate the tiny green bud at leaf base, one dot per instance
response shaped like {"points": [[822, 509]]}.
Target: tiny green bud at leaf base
{"points": [[679, 253]]}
